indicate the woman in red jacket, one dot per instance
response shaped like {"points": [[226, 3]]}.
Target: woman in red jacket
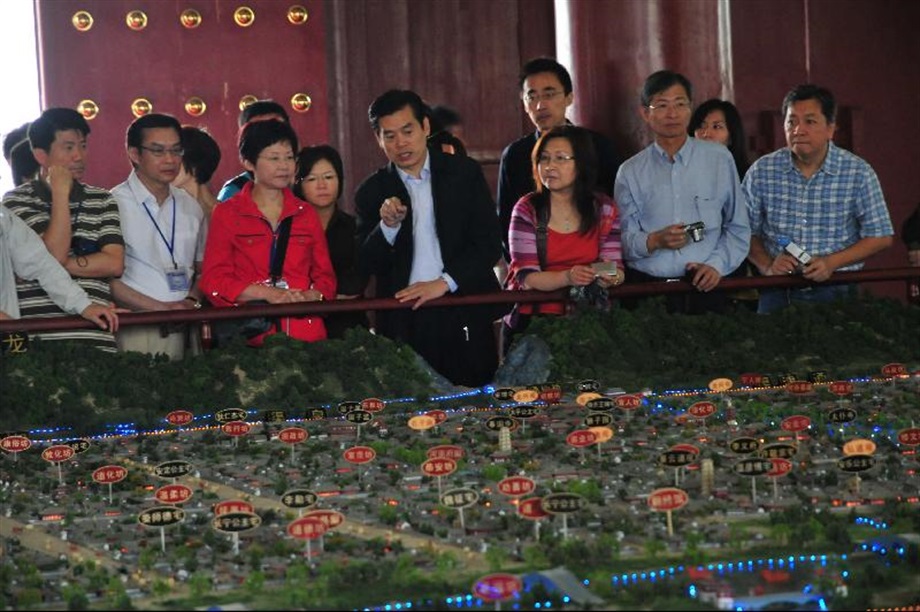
{"points": [[244, 237]]}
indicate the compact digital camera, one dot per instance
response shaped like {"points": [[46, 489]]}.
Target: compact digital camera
{"points": [[695, 230]]}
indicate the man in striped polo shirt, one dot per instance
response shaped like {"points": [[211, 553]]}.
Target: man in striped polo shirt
{"points": [[79, 224]]}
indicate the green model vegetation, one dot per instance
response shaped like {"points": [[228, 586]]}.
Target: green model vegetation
{"points": [[73, 386]]}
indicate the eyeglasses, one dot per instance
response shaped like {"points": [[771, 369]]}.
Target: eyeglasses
{"points": [[559, 158], [278, 159], [161, 151], [533, 97], [663, 106]]}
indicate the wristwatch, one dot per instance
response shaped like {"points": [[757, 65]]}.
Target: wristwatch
{"points": [[194, 300]]}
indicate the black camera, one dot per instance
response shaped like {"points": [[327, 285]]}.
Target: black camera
{"points": [[695, 230], [84, 246]]}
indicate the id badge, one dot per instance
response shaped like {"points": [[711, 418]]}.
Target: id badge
{"points": [[177, 280]]}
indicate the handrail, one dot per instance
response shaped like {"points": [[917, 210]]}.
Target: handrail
{"points": [[498, 297]]}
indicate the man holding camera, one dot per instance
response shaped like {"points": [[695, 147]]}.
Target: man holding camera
{"points": [[684, 216], [79, 224], [815, 208]]}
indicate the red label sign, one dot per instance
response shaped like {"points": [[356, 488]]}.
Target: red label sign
{"points": [[627, 402], [552, 395], [910, 436], [497, 587], [841, 387], [799, 386], [58, 453], [372, 404], [232, 506], [445, 451], [15, 444], [306, 528], [293, 435], [894, 369], [330, 518], [514, 486], [532, 508], [439, 467], [179, 417], [662, 500], [685, 448], [108, 474], [797, 422], [781, 467], [236, 428], [173, 494], [701, 410], [581, 438], [439, 416], [751, 380], [359, 454]]}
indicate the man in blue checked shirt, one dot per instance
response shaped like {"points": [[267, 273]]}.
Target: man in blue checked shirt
{"points": [[813, 199]]}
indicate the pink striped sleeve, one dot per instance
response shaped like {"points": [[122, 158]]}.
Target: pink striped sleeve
{"points": [[522, 240], [611, 247]]}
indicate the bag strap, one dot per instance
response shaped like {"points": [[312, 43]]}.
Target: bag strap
{"points": [[542, 225], [281, 242]]}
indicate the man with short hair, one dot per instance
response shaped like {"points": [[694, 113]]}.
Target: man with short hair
{"points": [[78, 223], [675, 182], [816, 197], [23, 255], [164, 234], [260, 110], [546, 92], [426, 226]]}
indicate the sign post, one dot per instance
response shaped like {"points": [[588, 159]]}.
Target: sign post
{"points": [[667, 500]]}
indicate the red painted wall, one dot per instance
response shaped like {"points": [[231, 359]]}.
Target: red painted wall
{"points": [[219, 62], [467, 53]]}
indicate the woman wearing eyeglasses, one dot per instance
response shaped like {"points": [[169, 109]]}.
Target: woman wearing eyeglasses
{"points": [[265, 244], [581, 247], [319, 181]]}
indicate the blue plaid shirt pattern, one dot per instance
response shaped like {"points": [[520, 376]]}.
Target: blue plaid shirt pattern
{"points": [[835, 208]]}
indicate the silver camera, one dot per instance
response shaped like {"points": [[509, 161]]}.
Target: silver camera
{"points": [[800, 254], [695, 230]]}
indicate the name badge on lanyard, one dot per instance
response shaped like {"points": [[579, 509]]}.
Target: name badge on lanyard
{"points": [[177, 279]]}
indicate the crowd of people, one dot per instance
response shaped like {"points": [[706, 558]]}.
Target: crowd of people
{"points": [[569, 212]]}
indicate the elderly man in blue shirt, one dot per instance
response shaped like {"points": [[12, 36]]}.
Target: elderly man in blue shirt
{"points": [[683, 212], [815, 208]]}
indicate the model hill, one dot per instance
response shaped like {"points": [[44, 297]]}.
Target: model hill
{"points": [[85, 390]]}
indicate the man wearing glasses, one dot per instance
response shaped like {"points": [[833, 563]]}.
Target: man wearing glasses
{"points": [[546, 91], [79, 224], [164, 234], [683, 213]]}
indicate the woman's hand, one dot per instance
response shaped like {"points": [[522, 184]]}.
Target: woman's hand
{"points": [[612, 280], [579, 276]]}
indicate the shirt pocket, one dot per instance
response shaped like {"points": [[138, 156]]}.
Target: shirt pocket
{"points": [[300, 250], [707, 209]]}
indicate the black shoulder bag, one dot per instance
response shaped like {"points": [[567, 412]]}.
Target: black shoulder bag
{"points": [[227, 330]]}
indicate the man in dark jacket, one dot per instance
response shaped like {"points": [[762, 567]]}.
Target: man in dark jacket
{"points": [[426, 227], [546, 91]]}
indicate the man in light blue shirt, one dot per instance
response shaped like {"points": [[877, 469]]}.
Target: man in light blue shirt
{"points": [[818, 199], [676, 182]]}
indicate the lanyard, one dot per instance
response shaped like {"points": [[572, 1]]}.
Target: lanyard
{"points": [[170, 244]]}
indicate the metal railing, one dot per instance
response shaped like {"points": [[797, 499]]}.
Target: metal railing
{"points": [[907, 274]]}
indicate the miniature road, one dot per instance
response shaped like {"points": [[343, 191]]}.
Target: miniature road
{"points": [[36, 538], [469, 559]]}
